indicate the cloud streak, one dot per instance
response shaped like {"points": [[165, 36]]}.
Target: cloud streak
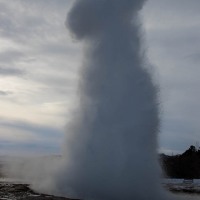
{"points": [[4, 71], [4, 93], [27, 137]]}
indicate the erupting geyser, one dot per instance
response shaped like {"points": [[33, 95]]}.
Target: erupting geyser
{"points": [[110, 152]]}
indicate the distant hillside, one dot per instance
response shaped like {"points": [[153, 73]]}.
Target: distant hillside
{"points": [[186, 165]]}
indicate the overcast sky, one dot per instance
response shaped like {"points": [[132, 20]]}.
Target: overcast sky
{"points": [[39, 64]]}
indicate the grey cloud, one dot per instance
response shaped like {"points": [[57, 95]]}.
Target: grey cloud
{"points": [[181, 8], [47, 138], [6, 71], [15, 27], [173, 36], [42, 148], [9, 61], [42, 132], [4, 93], [195, 57], [11, 56], [174, 24], [25, 22], [179, 134], [59, 50]]}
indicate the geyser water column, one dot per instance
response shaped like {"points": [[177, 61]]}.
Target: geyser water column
{"points": [[110, 151]]}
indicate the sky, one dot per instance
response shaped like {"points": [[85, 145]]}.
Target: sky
{"points": [[40, 63]]}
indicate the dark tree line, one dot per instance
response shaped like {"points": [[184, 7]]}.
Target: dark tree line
{"points": [[186, 165]]}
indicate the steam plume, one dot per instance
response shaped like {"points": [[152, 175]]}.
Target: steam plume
{"points": [[110, 151]]}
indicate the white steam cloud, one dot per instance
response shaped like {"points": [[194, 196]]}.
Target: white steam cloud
{"points": [[110, 151]]}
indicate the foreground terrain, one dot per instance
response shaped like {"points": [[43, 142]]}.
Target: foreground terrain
{"points": [[11, 189], [182, 186], [17, 191]]}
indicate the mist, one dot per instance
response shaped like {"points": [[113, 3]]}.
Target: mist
{"points": [[110, 147]]}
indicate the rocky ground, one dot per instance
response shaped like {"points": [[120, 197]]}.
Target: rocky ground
{"points": [[14, 191], [19, 191], [11, 190], [183, 188]]}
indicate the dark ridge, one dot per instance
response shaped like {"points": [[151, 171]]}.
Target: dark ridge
{"points": [[184, 166]]}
